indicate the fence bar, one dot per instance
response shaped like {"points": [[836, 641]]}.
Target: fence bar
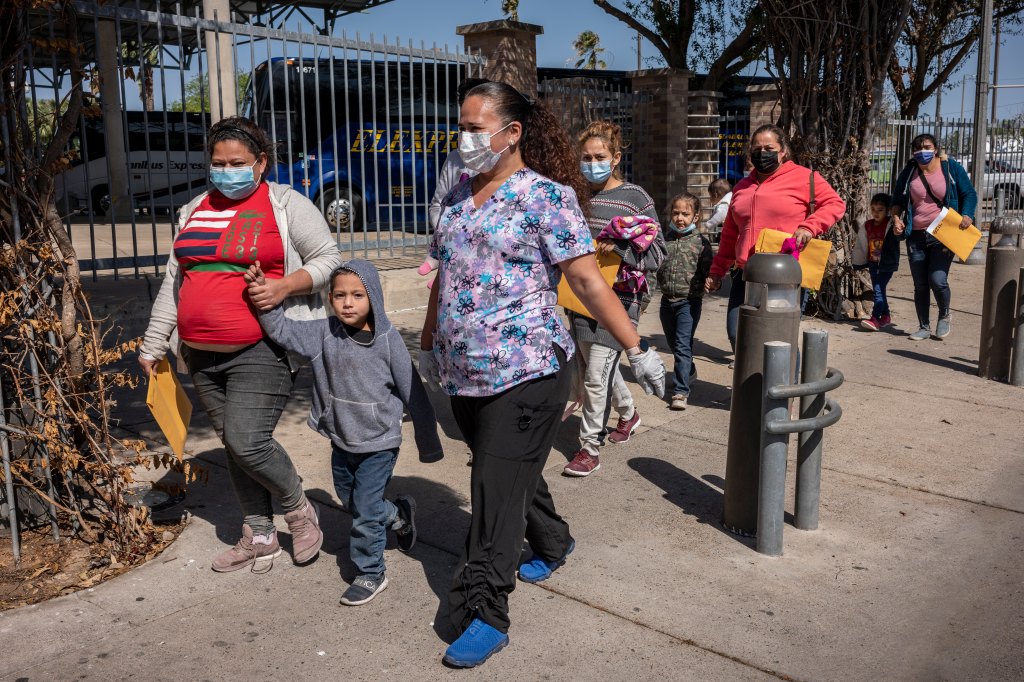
{"points": [[808, 454], [1017, 365], [12, 505], [771, 496]]}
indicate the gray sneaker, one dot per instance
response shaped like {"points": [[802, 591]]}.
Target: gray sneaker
{"points": [[942, 328], [921, 334], [257, 551], [363, 589], [406, 534]]}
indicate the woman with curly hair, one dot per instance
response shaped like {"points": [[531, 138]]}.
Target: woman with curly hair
{"points": [[493, 340]]}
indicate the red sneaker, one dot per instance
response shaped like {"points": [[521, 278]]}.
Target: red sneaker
{"points": [[886, 321], [874, 324], [583, 464], [625, 428]]}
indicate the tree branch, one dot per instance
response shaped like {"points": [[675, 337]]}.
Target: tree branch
{"points": [[640, 28]]}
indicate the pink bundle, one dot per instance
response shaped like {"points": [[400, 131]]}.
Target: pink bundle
{"points": [[791, 246], [640, 231]]}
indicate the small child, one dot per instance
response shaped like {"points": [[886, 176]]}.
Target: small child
{"points": [[681, 279], [878, 250], [364, 380], [720, 191]]}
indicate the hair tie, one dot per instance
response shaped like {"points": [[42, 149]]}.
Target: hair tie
{"points": [[243, 133]]}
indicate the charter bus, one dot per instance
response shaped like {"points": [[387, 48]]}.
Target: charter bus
{"points": [[166, 162], [363, 139]]}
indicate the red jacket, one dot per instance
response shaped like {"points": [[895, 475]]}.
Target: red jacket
{"points": [[780, 202]]}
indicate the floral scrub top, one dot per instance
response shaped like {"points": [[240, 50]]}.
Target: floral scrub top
{"points": [[498, 278]]}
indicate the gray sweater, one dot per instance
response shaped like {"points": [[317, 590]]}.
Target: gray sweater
{"points": [[307, 245], [625, 200], [360, 392]]}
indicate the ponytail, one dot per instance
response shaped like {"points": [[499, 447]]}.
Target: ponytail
{"points": [[545, 145]]}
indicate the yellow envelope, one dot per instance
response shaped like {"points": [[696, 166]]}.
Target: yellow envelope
{"points": [[170, 406], [813, 257], [609, 266], [946, 228]]}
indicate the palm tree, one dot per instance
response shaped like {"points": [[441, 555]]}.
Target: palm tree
{"points": [[511, 9], [588, 50]]}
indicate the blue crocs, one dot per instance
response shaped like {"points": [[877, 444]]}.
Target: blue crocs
{"points": [[475, 645], [537, 569]]}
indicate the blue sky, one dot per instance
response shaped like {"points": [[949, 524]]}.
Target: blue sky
{"points": [[435, 21]]}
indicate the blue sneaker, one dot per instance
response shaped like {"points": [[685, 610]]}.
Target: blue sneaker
{"points": [[475, 645], [537, 569]]}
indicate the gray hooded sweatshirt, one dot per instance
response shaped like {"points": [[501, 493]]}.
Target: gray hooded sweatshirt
{"points": [[360, 392]]}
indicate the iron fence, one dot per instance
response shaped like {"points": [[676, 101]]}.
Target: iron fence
{"points": [[362, 125]]}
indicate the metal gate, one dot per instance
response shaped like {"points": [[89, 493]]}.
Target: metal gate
{"points": [[362, 125]]}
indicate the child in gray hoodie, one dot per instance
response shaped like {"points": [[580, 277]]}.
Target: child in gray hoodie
{"points": [[364, 380]]}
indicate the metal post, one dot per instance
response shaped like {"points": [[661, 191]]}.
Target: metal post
{"points": [[995, 69], [808, 453], [12, 503], [1017, 366], [771, 498], [981, 95], [1003, 262]]}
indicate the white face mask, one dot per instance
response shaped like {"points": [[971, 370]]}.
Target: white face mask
{"points": [[475, 150]]}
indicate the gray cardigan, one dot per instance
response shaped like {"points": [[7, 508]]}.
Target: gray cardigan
{"points": [[307, 245], [360, 391]]}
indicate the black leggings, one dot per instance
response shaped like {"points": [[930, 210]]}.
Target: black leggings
{"points": [[510, 435]]}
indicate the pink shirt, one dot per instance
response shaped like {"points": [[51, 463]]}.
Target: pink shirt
{"points": [[925, 208]]}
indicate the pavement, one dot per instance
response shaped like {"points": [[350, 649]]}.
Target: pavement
{"points": [[915, 573]]}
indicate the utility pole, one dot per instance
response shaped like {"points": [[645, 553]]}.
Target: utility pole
{"points": [[982, 83], [639, 66], [995, 70], [938, 98]]}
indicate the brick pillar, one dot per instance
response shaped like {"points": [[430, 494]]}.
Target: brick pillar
{"points": [[765, 106], [510, 48], [659, 132], [702, 145]]}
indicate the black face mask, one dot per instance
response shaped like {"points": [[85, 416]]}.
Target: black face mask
{"points": [[765, 161]]}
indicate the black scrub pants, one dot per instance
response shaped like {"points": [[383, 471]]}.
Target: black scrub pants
{"points": [[510, 435]]}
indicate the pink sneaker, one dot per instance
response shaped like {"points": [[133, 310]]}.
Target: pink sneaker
{"points": [[625, 428], [583, 464], [258, 551], [886, 321], [874, 324], [307, 538]]}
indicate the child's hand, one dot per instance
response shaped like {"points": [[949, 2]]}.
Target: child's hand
{"points": [[605, 247], [265, 294], [254, 277]]}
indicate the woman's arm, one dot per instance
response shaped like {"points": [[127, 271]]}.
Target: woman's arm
{"points": [[430, 322], [162, 320], [829, 210]]}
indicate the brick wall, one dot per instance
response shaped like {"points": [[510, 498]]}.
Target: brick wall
{"points": [[764, 105], [660, 129], [510, 48]]}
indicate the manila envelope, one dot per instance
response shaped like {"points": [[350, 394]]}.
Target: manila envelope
{"points": [[170, 406], [813, 257], [946, 228], [609, 266]]}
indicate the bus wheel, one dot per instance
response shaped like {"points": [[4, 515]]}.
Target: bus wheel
{"points": [[341, 214], [100, 200]]}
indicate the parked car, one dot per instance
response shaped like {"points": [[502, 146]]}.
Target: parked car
{"points": [[1004, 172]]}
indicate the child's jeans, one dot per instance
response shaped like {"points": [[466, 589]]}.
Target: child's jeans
{"points": [[879, 280], [679, 320], [360, 480]]}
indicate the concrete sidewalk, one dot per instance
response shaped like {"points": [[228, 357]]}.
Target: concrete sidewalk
{"points": [[915, 574]]}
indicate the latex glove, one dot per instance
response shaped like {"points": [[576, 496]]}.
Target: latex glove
{"points": [[649, 371], [428, 370]]}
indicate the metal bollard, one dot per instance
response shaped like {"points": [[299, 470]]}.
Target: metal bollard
{"points": [[808, 454], [1004, 260], [1017, 364], [771, 500], [12, 503]]}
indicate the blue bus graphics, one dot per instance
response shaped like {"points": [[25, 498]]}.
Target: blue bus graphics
{"points": [[364, 140]]}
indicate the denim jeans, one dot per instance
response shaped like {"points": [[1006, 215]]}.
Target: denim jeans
{"points": [[243, 394], [359, 481], [679, 320], [929, 266], [879, 281], [732, 312]]}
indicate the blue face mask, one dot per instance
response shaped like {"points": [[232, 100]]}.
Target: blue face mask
{"points": [[684, 231], [596, 171], [924, 156], [235, 183]]}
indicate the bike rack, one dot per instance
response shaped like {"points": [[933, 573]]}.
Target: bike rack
{"points": [[817, 412]]}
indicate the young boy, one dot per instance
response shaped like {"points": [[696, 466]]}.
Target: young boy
{"points": [[363, 381], [720, 192], [878, 250]]}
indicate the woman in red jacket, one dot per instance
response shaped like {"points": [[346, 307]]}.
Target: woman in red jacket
{"points": [[775, 195]]}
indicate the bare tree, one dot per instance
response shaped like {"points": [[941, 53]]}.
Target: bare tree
{"points": [[830, 60], [938, 36], [721, 36]]}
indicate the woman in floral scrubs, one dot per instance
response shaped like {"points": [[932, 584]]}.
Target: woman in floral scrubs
{"points": [[493, 341]]}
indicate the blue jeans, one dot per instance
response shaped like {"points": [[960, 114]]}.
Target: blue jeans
{"points": [[243, 394], [359, 481], [679, 320], [879, 281], [929, 266]]}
